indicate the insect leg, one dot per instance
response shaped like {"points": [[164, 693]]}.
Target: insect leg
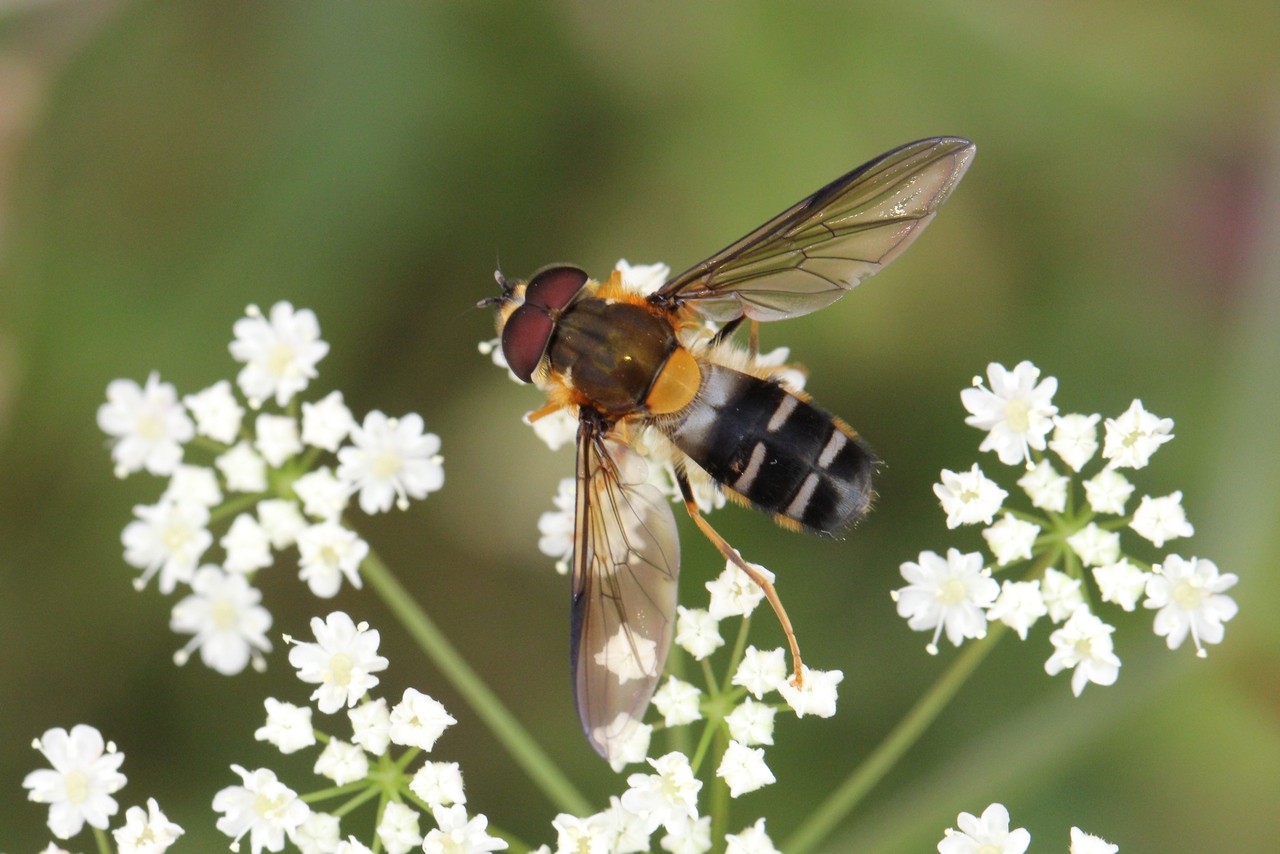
{"points": [[731, 554]]}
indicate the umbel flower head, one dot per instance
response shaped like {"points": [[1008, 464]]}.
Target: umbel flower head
{"points": [[277, 482], [1073, 547]]}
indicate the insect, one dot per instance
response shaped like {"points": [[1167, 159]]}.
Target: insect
{"points": [[630, 364]]}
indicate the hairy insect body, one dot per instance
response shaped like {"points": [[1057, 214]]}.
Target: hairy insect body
{"points": [[638, 366]]}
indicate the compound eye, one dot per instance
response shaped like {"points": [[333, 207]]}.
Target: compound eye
{"points": [[524, 339], [554, 287]]}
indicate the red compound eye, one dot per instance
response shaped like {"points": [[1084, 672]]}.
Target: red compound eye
{"points": [[554, 287], [524, 339], [528, 329]]}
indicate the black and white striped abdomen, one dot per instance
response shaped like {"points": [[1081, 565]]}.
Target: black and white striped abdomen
{"points": [[782, 453]]}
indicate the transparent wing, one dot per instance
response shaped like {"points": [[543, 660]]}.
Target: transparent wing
{"points": [[808, 256], [625, 563]]}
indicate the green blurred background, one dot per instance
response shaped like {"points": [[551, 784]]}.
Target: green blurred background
{"points": [[164, 164]]}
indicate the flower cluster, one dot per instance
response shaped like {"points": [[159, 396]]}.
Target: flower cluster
{"points": [[79, 788], [342, 662], [1074, 522], [267, 478], [990, 834]]}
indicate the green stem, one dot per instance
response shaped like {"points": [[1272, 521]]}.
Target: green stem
{"points": [[908, 731], [515, 738], [104, 845]]}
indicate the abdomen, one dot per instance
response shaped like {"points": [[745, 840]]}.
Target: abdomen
{"points": [[782, 453]]}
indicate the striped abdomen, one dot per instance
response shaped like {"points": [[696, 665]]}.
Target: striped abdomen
{"points": [[782, 453]]}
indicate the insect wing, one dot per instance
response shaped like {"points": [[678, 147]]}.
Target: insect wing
{"points": [[626, 561], [808, 256]]}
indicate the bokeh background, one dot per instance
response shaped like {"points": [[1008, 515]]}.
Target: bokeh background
{"points": [[164, 164]]}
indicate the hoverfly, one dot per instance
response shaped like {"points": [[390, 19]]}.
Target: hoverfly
{"points": [[628, 362]]}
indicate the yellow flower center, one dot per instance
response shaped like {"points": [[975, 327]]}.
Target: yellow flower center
{"points": [[149, 427], [281, 360], [952, 592], [386, 464], [1017, 414], [223, 614], [1188, 595], [340, 669], [77, 786]]}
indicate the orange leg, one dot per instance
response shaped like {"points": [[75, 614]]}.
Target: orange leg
{"points": [[761, 581]]}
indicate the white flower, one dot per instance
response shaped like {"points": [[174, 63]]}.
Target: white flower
{"points": [[817, 696], [628, 833], [167, 538], [1121, 583], [1045, 487], [761, 671], [398, 828], [279, 354], [217, 413], [1061, 594], [989, 834], [276, 438], [318, 835], [456, 834], [581, 835], [968, 497], [669, 797], [288, 727], [79, 787], [1016, 411], [1084, 643], [627, 657], [1084, 843], [1018, 606], [677, 702], [322, 494], [633, 748], [371, 726], [439, 784], [949, 594], [326, 423], [753, 840], [556, 526], [697, 632], [146, 831], [342, 661], [418, 720], [196, 484], [391, 459], [751, 722], [263, 807], [1095, 546], [243, 469], [1075, 439], [282, 520], [643, 278], [555, 429], [733, 593], [351, 845], [1107, 491], [743, 769], [327, 553], [225, 621], [1133, 437], [149, 426], [342, 762], [694, 839], [1190, 596], [247, 545], [1011, 539], [1161, 519]]}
